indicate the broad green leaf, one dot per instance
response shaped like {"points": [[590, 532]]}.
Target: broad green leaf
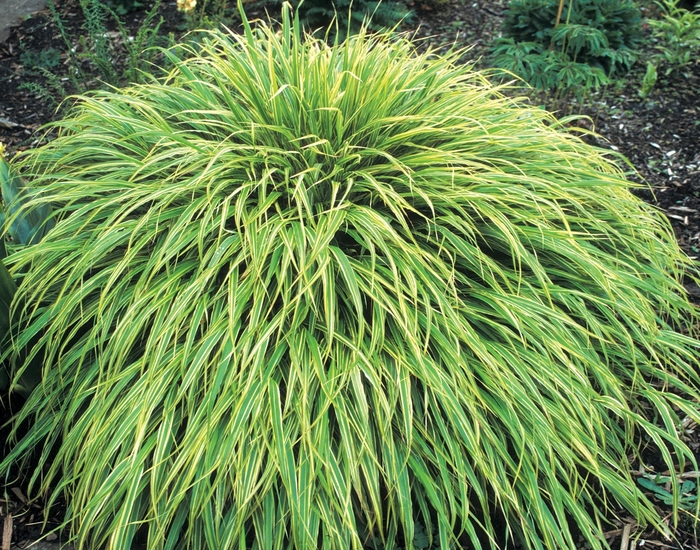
{"points": [[28, 223]]}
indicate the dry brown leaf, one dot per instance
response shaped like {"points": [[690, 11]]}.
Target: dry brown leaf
{"points": [[6, 532], [19, 494]]}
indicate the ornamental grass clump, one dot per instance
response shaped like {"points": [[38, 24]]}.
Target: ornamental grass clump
{"points": [[309, 296]]}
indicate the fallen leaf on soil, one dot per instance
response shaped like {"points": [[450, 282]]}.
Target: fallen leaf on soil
{"points": [[6, 532], [679, 218], [625, 543], [19, 494], [7, 124]]}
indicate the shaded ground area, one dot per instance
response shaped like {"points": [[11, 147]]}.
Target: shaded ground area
{"points": [[660, 136]]}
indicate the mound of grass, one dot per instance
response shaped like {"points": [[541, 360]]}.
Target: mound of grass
{"points": [[302, 296]]}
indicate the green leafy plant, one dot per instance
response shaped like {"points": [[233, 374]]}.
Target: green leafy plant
{"points": [[51, 91], [44, 63], [23, 228], [203, 14], [94, 60], [46, 59], [352, 14], [677, 35], [572, 50], [547, 69], [660, 486], [619, 22], [422, 540], [649, 81], [309, 296], [122, 7], [8, 288]]}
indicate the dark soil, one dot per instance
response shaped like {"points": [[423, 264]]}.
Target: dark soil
{"points": [[660, 136]]}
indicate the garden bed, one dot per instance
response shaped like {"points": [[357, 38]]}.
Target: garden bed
{"points": [[660, 136]]}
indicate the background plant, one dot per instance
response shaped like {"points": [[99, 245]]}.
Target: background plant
{"points": [[48, 58], [659, 485], [677, 36], [22, 227], [547, 69], [8, 288], [352, 14], [122, 7], [44, 63], [203, 14], [618, 23], [575, 49], [310, 296], [649, 81], [95, 60]]}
